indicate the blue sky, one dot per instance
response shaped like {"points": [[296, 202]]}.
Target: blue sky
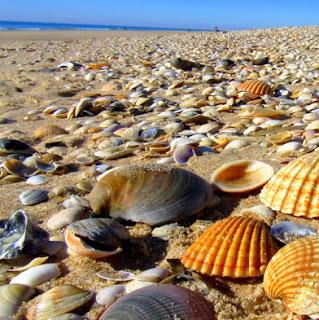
{"points": [[166, 13]]}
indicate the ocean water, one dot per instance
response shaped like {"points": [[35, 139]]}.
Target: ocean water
{"points": [[20, 25]]}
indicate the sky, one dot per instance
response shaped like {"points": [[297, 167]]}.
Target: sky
{"points": [[202, 14]]}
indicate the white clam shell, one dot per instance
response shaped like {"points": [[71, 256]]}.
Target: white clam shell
{"points": [[36, 180], [290, 147], [37, 275], [153, 275], [236, 144], [110, 294], [65, 217]]}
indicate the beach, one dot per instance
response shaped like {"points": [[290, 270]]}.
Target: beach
{"points": [[130, 83]]}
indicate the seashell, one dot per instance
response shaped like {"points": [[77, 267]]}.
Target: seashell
{"points": [[76, 202], [36, 180], [280, 137], [12, 146], [260, 212], [252, 112], [288, 231], [69, 316], [314, 125], [33, 197], [19, 235], [33, 263], [51, 109], [153, 275], [183, 153], [210, 127], [292, 276], [236, 144], [161, 302], [109, 295], [118, 276], [48, 130], [236, 247], [95, 238], [65, 217], [57, 301], [16, 167], [294, 188], [290, 147], [242, 176], [257, 87], [152, 194], [12, 296]]}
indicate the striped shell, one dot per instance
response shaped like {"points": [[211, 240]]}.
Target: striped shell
{"points": [[292, 276], [257, 87], [157, 302], [294, 189], [236, 247]]}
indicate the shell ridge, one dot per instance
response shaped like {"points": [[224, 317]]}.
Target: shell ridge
{"points": [[254, 252]]}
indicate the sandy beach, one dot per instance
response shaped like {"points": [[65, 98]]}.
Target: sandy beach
{"points": [[123, 83]]}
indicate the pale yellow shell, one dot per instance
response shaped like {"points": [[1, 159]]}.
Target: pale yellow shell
{"points": [[294, 189], [236, 247], [292, 276]]}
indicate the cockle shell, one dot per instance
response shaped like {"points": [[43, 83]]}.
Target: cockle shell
{"points": [[292, 276], [257, 87], [95, 238], [152, 194], [242, 176], [57, 301], [158, 302], [11, 296], [236, 247], [294, 189]]}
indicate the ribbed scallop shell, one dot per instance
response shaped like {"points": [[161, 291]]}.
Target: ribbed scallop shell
{"points": [[292, 276], [236, 247], [158, 302], [257, 87], [294, 189], [152, 194]]}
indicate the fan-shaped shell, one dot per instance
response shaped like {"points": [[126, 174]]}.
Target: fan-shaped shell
{"points": [[257, 87], [294, 189], [242, 175], [152, 194], [157, 302], [292, 276], [236, 247]]}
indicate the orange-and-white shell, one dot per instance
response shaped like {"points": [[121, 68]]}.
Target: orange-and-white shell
{"points": [[294, 189], [292, 276], [257, 87], [236, 247]]}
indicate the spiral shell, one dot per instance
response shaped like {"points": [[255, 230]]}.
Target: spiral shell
{"points": [[152, 194], [294, 189], [236, 247], [57, 301], [257, 87], [292, 276], [159, 302]]}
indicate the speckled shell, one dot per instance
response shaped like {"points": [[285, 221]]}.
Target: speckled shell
{"points": [[236, 247], [257, 87], [152, 194], [294, 189], [292, 276], [158, 302], [242, 176]]}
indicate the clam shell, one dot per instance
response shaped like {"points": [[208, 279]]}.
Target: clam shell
{"points": [[183, 153], [57, 301], [110, 294], [242, 176], [257, 87], [152, 194], [33, 197], [48, 130], [292, 276], [9, 146], [37, 275], [95, 238], [159, 302], [12, 296], [236, 247], [294, 189], [65, 217], [16, 167]]}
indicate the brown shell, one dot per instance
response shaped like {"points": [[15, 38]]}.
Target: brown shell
{"points": [[294, 189], [236, 247], [292, 276], [48, 130], [257, 87]]}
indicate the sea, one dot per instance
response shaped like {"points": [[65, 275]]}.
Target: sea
{"points": [[20, 25]]}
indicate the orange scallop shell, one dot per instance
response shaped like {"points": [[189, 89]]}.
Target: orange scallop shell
{"points": [[236, 247], [292, 276], [294, 189], [257, 87]]}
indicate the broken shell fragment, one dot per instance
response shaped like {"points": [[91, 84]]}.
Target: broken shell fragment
{"points": [[242, 176], [152, 194], [57, 301], [158, 302], [96, 238], [292, 276], [236, 247]]}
